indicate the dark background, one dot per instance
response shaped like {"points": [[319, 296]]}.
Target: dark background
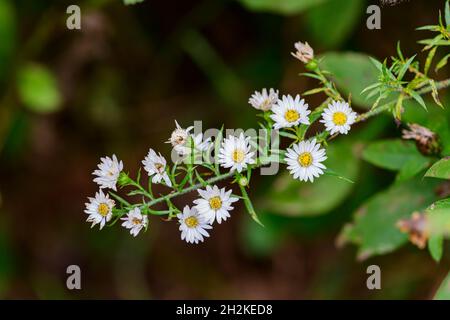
{"points": [[121, 81]]}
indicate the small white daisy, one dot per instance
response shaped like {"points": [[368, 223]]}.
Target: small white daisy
{"points": [[215, 204], [108, 172], [99, 209], [199, 145], [179, 136], [263, 100], [135, 221], [192, 225], [338, 117], [235, 153], [155, 165], [305, 160], [289, 112]]}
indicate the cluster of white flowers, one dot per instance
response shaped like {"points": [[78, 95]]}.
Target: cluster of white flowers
{"points": [[305, 158], [304, 161]]}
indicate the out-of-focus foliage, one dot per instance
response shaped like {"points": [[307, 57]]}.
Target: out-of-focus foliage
{"points": [[352, 72], [38, 89], [374, 228], [443, 292], [332, 23], [440, 169], [281, 6]]}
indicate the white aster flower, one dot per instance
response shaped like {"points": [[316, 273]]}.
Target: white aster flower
{"points": [[305, 160], [155, 165], [263, 100], [179, 136], [215, 204], [192, 225], [135, 221], [194, 143], [338, 117], [304, 52], [235, 153], [108, 172], [289, 112], [99, 209]]}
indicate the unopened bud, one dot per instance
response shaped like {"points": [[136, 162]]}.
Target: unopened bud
{"points": [[123, 180], [243, 181]]}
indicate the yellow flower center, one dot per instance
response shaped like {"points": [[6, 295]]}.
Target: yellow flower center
{"points": [[191, 222], [136, 221], [291, 115], [103, 209], [305, 159], [159, 167], [215, 203], [339, 118], [238, 156]]}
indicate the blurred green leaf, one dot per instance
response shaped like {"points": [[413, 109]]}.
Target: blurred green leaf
{"points": [[127, 2], [438, 217], [337, 17], [7, 36], [412, 167], [295, 198], [286, 7], [436, 247], [394, 155], [374, 227], [440, 169], [38, 89], [443, 292], [352, 72]]}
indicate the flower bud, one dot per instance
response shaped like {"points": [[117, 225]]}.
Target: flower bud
{"points": [[243, 181], [123, 180], [304, 52]]}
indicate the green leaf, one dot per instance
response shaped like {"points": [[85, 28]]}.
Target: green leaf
{"points": [[38, 89], [443, 293], [417, 97], [352, 72], [249, 205], [374, 227], [447, 14], [442, 63], [394, 154], [291, 197], [436, 247], [440, 169], [285, 7], [438, 218], [337, 17], [127, 2], [412, 167]]}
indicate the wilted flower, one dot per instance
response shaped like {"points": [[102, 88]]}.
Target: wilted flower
{"points": [[426, 140], [416, 228], [135, 221], [304, 52]]}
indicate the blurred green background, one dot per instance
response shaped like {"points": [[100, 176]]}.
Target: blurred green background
{"points": [[68, 97]]}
